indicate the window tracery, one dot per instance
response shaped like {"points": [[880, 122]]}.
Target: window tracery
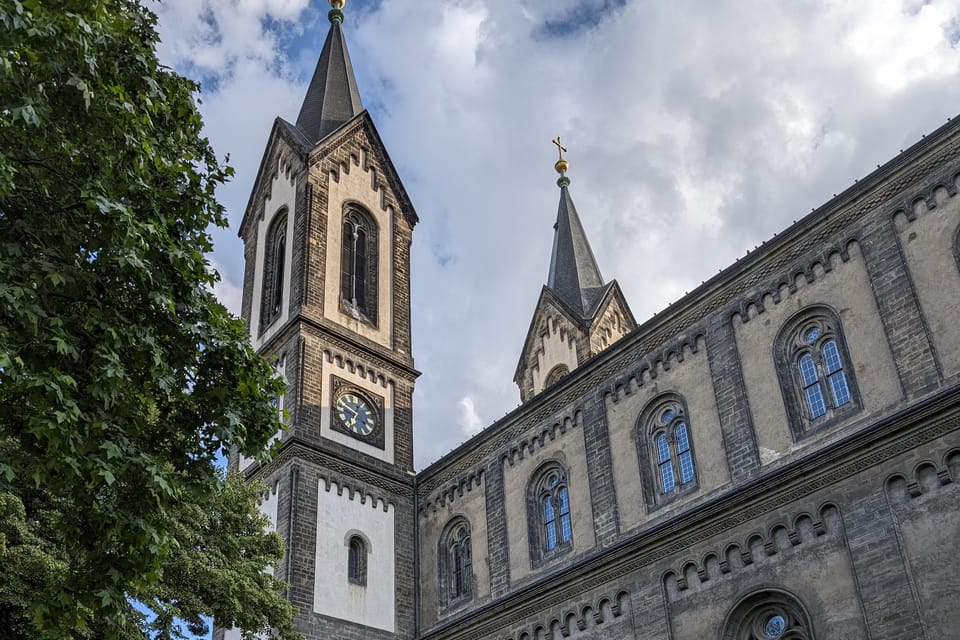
{"points": [[768, 615], [455, 563], [358, 265], [814, 369], [666, 449], [551, 525], [274, 265]]}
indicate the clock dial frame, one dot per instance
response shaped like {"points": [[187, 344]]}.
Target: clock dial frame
{"points": [[357, 413]]}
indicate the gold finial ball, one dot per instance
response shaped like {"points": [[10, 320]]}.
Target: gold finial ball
{"points": [[337, 4], [562, 166]]}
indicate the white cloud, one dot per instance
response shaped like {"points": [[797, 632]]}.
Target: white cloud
{"points": [[228, 292], [470, 421], [696, 130]]}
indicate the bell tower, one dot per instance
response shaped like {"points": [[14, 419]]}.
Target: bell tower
{"points": [[327, 235]]}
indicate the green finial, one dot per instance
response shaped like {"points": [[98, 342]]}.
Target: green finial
{"points": [[562, 166], [336, 13]]}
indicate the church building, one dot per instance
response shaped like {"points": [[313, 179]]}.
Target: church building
{"points": [[774, 456]]}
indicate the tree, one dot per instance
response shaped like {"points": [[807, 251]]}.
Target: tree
{"points": [[121, 376]]}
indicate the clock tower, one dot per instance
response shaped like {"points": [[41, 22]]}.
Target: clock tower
{"points": [[327, 234]]}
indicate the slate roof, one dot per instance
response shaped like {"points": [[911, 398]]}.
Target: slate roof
{"points": [[332, 97], [574, 276]]}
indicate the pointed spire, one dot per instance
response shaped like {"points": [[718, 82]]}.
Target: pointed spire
{"points": [[332, 97], [574, 275]]}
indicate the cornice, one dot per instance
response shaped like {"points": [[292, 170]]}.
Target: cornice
{"points": [[295, 449]]}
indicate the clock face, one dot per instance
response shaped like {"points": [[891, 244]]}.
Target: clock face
{"points": [[356, 414]]}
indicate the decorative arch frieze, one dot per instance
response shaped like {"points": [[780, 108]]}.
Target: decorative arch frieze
{"points": [[737, 556], [542, 436], [594, 613], [452, 491], [924, 478], [774, 291], [924, 198], [669, 355]]}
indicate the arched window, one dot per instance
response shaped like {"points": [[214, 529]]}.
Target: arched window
{"points": [[814, 369], [274, 264], [768, 615], [665, 447], [357, 561], [555, 374], [358, 265], [551, 526], [455, 556]]}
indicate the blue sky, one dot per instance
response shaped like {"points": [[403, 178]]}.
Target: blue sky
{"points": [[695, 132]]}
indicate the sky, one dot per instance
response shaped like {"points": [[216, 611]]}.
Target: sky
{"points": [[695, 131]]}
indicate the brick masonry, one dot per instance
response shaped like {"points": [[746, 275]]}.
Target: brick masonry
{"points": [[757, 526]]}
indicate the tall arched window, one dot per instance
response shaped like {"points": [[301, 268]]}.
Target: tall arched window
{"points": [[768, 615], [665, 447], [274, 265], [814, 369], [455, 556], [551, 525], [358, 265], [357, 561]]}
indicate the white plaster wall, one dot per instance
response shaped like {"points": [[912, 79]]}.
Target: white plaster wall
{"points": [[847, 289], [335, 365], [283, 193], [690, 379], [557, 346], [569, 449], [339, 517], [357, 186], [928, 247]]}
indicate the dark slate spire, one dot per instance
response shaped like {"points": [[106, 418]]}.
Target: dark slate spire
{"points": [[332, 97], [574, 275]]}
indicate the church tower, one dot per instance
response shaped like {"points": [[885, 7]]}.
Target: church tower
{"points": [[327, 234], [577, 315]]}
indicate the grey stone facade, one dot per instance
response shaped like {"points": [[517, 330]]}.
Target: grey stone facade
{"points": [[840, 523]]}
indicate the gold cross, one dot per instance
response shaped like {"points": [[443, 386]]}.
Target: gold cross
{"points": [[560, 148]]}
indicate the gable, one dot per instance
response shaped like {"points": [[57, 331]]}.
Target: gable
{"points": [[285, 152]]}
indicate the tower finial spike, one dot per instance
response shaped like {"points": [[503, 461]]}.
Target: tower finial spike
{"points": [[562, 166], [336, 13]]}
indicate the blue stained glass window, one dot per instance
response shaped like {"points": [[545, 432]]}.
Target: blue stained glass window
{"points": [[663, 448], [566, 527], [683, 442], [774, 627], [831, 357], [815, 401], [686, 467], [668, 415], [812, 335], [808, 371], [666, 476], [549, 523], [838, 385]]}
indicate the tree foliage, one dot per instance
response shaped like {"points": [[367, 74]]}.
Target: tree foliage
{"points": [[121, 376]]}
